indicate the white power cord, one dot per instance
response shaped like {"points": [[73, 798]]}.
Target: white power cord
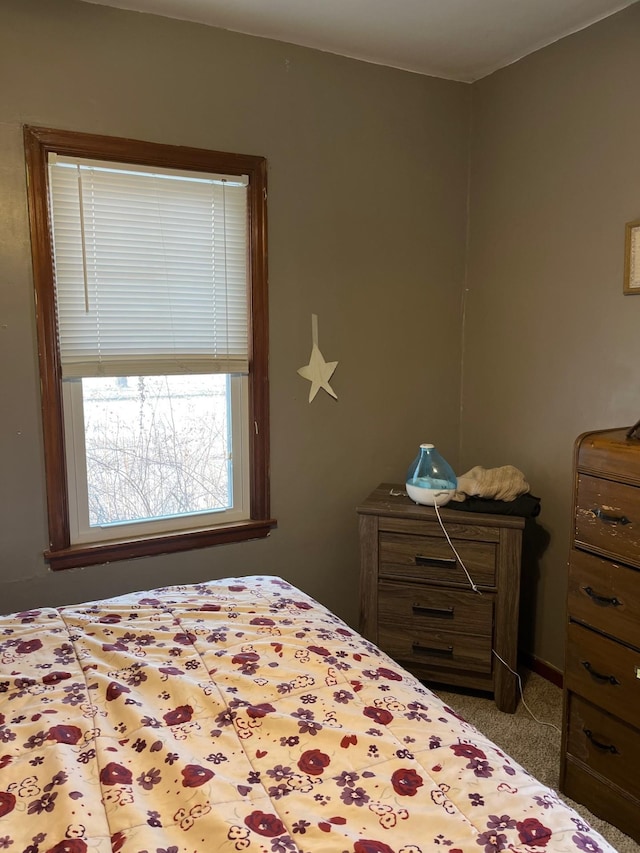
{"points": [[517, 675], [451, 545], [475, 589]]}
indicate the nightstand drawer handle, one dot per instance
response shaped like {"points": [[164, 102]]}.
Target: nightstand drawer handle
{"points": [[598, 677], [442, 612], [601, 599], [429, 650], [611, 519], [441, 562], [605, 747]]}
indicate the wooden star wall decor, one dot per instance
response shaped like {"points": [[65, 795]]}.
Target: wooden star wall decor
{"points": [[318, 371]]}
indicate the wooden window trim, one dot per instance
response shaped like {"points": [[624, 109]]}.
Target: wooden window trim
{"points": [[39, 142]]}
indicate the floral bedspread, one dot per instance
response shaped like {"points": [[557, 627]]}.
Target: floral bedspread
{"points": [[240, 715]]}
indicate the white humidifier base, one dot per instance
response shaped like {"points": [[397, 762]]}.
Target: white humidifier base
{"points": [[429, 497]]}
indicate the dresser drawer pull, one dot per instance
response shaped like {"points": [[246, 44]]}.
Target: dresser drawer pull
{"points": [[601, 599], [441, 612], [598, 677], [605, 747], [610, 519], [441, 562], [447, 651]]}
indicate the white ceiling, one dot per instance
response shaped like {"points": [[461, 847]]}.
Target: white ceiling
{"points": [[455, 39]]}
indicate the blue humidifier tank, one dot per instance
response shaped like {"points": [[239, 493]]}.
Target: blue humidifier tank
{"points": [[430, 478]]}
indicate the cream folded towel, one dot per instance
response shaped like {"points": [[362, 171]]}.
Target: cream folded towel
{"points": [[502, 484]]}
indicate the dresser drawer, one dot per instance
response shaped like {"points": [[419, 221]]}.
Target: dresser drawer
{"points": [[605, 744], [610, 453], [603, 671], [428, 558], [605, 596], [608, 518], [425, 609], [436, 650]]}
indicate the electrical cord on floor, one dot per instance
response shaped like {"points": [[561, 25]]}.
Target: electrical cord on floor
{"points": [[475, 589], [517, 675]]}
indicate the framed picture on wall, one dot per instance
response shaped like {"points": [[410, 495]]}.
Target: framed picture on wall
{"points": [[632, 257]]}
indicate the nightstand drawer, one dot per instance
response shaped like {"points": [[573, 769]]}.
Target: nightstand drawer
{"points": [[608, 518], [426, 558], [420, 608], [604, 672], [608, 746], [605, 596], [435, 650]]}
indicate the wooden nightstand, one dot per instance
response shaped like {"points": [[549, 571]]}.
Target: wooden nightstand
{"points": [[416, 602]]}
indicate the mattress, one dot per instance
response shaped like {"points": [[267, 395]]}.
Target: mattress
{"points": [[241, 715]]}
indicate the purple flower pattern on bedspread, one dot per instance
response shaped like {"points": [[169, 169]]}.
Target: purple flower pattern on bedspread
{"points": [[240, 715]]}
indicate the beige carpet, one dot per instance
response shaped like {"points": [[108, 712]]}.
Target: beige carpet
{"points": [[536, 747]]}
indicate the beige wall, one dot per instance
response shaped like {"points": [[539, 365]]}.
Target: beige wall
{"points": [[552, 347], [368, 192], [367, 221]]}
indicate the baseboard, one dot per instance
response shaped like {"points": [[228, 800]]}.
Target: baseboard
{"points": [[541, 667]]}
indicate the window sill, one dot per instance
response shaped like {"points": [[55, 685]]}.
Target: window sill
{"points": [[79, 556]]}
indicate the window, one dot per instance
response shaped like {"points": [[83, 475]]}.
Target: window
{"points": [[150, 276]]}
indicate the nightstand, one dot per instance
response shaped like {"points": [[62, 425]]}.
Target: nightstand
{"points": [[416, 602]]}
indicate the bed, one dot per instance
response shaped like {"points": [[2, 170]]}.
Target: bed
{"points": [[241, 715]]}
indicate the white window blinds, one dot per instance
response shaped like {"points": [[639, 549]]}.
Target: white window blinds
{"points": [[150, 269]]}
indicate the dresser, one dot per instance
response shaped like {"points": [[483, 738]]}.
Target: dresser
{"points": [[600, 764], [417, 604]]}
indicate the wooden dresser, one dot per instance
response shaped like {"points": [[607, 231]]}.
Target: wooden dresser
{"points": [[601, 730], [417, 604]]}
